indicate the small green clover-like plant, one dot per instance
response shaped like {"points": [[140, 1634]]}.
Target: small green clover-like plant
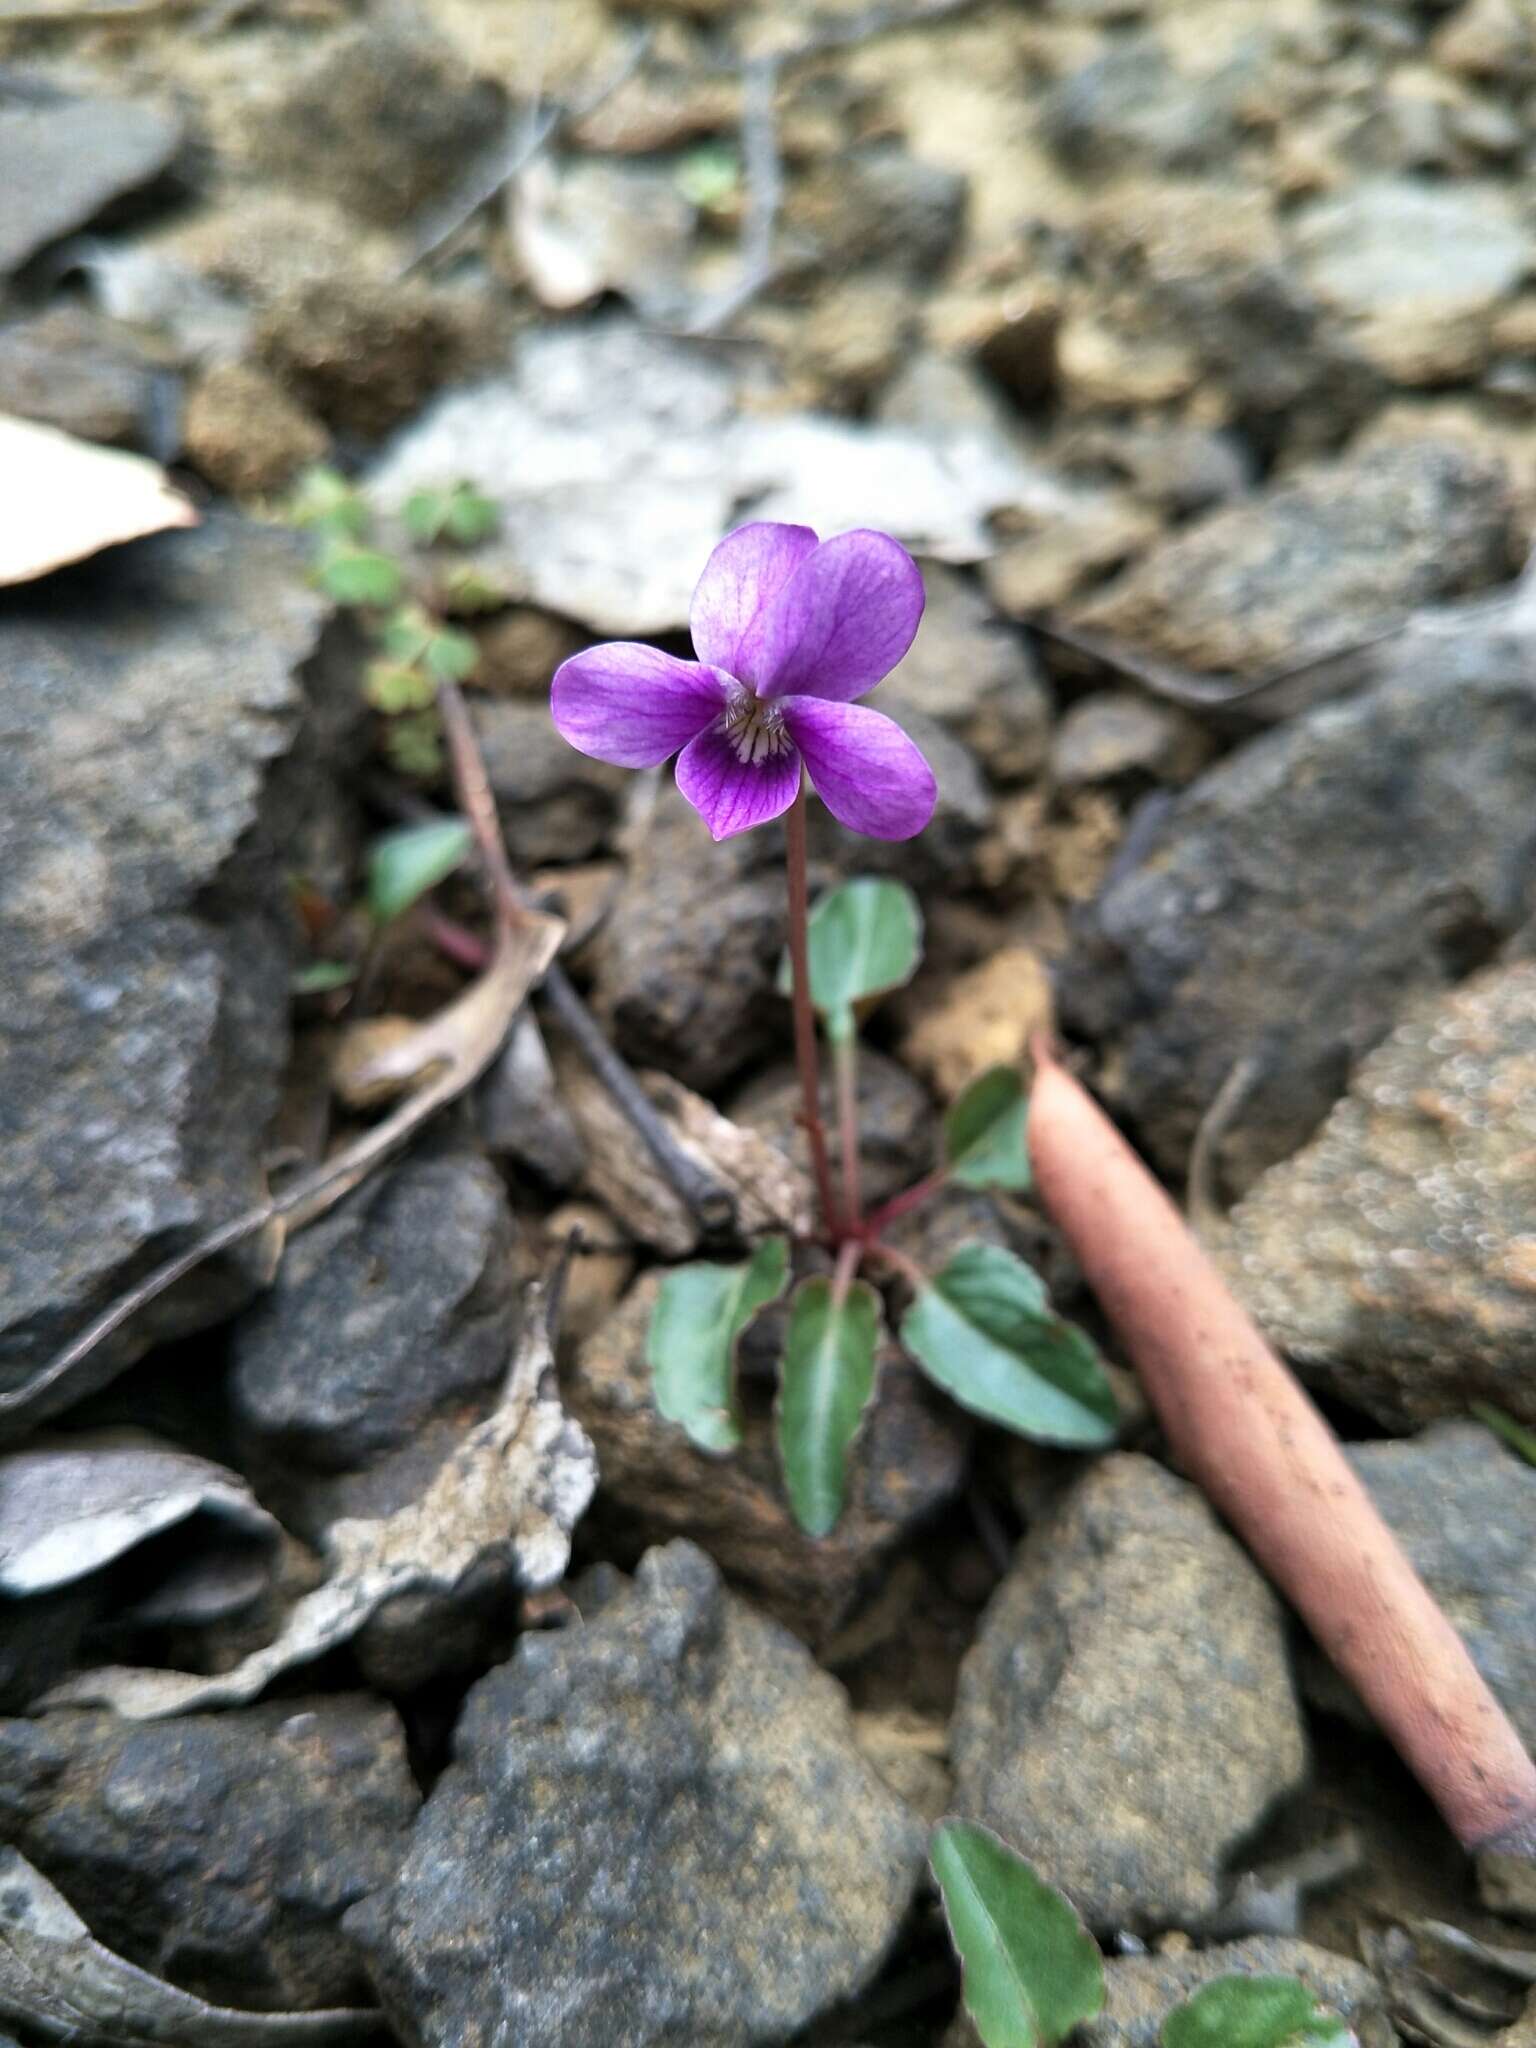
{"points": [[1031, 1973], [1254, 2012], [709, 175], [419, 650], [700, 1314], [404, 865], [459, 514], [982, 1328]]}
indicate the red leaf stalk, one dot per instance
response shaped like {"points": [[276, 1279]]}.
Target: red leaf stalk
{"points": [[1241, 1426]]}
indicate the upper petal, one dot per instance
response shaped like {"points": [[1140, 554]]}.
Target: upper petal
{"points": [[843, 620], [631, 704], [870, 776], [732, 795], [745, 572]]}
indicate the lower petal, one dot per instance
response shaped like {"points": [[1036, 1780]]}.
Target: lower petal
{"points": [[732, 795], [633, 705], [870, 776]]}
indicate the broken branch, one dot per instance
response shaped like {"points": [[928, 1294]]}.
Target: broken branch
{"points": [[1242, 1427]]}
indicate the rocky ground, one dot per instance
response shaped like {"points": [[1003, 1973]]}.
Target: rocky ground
{"points": [[1191, 345]]}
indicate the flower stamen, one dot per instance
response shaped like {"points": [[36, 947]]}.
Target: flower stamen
{"points": [[756, 730]]}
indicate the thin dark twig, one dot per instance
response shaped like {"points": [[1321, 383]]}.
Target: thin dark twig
{"points": [[696, 1187], [525, 139]]}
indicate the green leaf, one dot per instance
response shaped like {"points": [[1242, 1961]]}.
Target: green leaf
{"points": [[323, 977], [709, 175], [864, 939], [984, 1143], [404, 865], [359, 576], [325, 502], [425, 513], [1515, 1434], [1254, 2012], [826, 1379], [472, 517], [985, 1332], [450, 656], [691, 1347], [395, 686], [404, 632], [466, 590], [1031, 1970], [413, 744]]}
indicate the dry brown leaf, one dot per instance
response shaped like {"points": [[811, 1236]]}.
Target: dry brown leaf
{"points": [[63, 499]]}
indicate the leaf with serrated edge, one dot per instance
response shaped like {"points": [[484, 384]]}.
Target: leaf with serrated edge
{"points": [[984, 1133], [825, 1381], [984, 1331], [863, 939], [1254, 2012], [691, 1346], [1031, 1970], [403, 866]]}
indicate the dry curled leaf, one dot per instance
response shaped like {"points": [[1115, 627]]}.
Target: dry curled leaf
{"points": [[516, 1484], [768, 1193], [60, 1983], [65, 499]]}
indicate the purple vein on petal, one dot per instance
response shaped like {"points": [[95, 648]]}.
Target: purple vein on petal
{"points": [[633, 705], [732, 795], [865, 769], [743, 575], [843, 620]]}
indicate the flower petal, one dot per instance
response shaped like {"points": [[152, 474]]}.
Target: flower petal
{"points": [[633, 705], [732, 795], [842, 621], [870, 776], [745, 572]]}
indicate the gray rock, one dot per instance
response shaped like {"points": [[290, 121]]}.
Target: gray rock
{"points": [[975, 676], [1391, 245], [684, 966], [1297, 896], [910, 1458], [1464, 1509], [385, 1334], [1325, 558], [878, 204], [148, 822], [386, 118], [1127, 1717], [1129, 109], [657, 1828], [218, 1850], [897, 1126], [1141, 1991], [555, 804], [1112, 735], [1394, 1256], [63, 160], [68, 369]]}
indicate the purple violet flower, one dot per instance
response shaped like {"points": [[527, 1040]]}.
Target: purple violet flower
{"points": [[788, 631]]}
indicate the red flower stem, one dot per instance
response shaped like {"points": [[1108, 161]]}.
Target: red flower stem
{"points": [[845, 1067], [1242, 1428], [464, 948], [903, 1204], [849, 1253], [805, 1017]]}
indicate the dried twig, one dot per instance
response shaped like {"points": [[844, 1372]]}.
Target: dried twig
{"points": [[765, 194], [1240, 1424], [527, 134]]}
